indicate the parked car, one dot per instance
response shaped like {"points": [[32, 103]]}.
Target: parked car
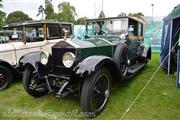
{"points": [[19, 39], [112, 49]]}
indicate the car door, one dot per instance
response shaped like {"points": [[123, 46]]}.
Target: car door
{"points": [[134, 40], [7, 53], [13, 42]]}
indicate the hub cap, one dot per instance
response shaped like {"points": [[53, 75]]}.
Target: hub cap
{"points": [[107, 93]]}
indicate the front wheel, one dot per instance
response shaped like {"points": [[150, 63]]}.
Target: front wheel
{"points": [[34, 85], [95, 92]]}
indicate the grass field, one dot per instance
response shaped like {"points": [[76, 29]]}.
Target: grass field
{"points": [[159, 101]]}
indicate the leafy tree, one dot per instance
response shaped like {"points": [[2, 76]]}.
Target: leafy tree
{"points": [[49, 10], [122, 14], [2, 16], [17, 16], [2, 19], [41, 11], [53, 16], [1, 5], [81, 21], [138, 15], [66, 12]]}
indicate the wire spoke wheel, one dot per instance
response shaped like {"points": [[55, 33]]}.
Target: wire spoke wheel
{"points": [[121, 59], [124, 63], [96, 92], [100, 93]]}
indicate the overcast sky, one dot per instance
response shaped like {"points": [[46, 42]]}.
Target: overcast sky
{"points": [[92, 8]]}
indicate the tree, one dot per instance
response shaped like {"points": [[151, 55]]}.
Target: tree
{"points": [[66, 12], [2, 19], [1, 5], [41, 11], [49, 10], [17, 16], [81, 21], [138, 15], [122, 14], [52, 16], [2, 16]]}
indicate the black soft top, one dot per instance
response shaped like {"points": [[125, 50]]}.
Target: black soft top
{"points": [[29, 23], [109, 18]]}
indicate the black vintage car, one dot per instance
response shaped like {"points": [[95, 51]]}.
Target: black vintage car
{"points": [[112, 49]]}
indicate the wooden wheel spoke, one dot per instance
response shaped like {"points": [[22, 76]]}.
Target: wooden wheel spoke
{"points": [[2, 77]]}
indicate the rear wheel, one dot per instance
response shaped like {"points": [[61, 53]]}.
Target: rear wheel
{"points": [[5, 77], [123, 63], [95, 92], [34, 85], [121, 59]]}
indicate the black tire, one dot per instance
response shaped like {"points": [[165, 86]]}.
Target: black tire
{"points": [[5, 77], [29, 76], [121, 59], [96, 87]]}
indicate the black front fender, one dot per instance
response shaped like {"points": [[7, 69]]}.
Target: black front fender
{"points": [[30, 58], [92, 63], [33, 59]]}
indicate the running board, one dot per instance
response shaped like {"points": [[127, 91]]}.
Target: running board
{"points": [[136, 67]]}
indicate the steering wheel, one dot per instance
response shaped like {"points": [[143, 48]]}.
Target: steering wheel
{"points": [[102, 33]]}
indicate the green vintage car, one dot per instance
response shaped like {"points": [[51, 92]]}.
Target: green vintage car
{"points": [[112, 49]]}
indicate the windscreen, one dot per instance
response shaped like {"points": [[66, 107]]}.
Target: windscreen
{"points": [[11, 34], [107, 27]]}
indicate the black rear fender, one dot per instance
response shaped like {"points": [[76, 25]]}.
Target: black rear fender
{"points": [[146, 52]]}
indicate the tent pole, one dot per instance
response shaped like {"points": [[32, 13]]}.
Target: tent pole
{"points": [[178, 66], [169, 58]]}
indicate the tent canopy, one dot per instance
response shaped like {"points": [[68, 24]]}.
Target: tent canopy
{"points": [[171, 27]]}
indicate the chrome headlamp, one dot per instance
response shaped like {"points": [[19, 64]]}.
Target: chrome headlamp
{"points": [[44, 56], [68, 59]]}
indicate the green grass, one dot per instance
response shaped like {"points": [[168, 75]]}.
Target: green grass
{"points": [[159, 101]]}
